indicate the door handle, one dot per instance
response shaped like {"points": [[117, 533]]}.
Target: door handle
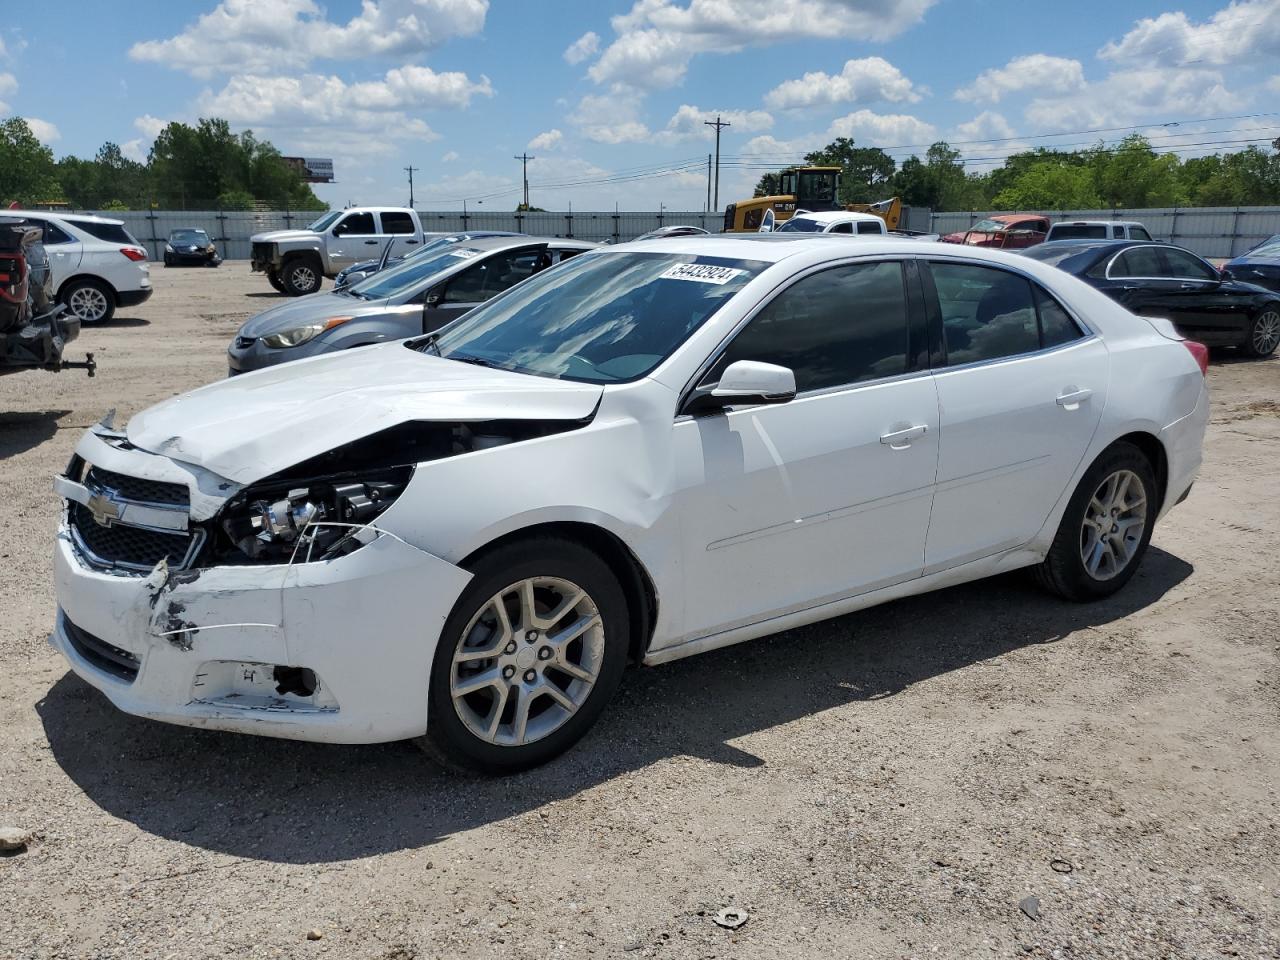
{"points": [[901, 439], [1073, 398], [371, 243]]}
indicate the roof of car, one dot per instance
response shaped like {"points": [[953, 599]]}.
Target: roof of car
{"points": [[69, 217], [521, 240], [773, 247], [833, 216], [1100, 223]]}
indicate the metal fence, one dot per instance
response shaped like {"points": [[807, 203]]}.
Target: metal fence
{"points": [[1208, 231], [231, 230]]}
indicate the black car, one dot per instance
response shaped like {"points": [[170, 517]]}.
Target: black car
{"points": [[191, 247], [1161, 280], [1260, 266]]}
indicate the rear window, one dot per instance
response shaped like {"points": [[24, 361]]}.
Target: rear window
{"points": [[1078, 231], [110, 232], [800, 225]]}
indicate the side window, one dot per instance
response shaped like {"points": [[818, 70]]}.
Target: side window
{"points": [[491, 276], [1179, 263], [562, 255], [1137, 262], [866, 226], [832, 328], [1056, 325], [1139, 233], [396, 221], [55, 234], [355, 224], [842, 228], [986, 313]]}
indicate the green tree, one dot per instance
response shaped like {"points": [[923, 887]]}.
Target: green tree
{"points": [[865, 172], [1046, 185], [27, 171], [769, 185]]}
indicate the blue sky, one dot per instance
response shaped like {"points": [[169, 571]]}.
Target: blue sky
{"points": [[610, 95]]}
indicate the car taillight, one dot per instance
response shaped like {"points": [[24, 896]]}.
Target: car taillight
{"points": [[1200, 352], [134, 253]]}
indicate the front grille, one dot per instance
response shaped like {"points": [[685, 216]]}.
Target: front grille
{"points": [[128, 546], [108, 659], [138, 488], [261, 253], [244, 343]]}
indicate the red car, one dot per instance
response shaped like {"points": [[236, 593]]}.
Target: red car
{"points": [[1011, 231]]}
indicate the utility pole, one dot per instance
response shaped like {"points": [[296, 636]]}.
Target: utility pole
{"points": [[524, 159], [719, 125], [411, 169], [708, 206]]}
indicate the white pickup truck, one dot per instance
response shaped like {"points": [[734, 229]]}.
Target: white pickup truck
{"points": [[296, 260]]}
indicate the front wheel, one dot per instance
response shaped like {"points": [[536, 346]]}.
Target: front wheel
{"points": [[1264, 333], [527, 660], [300, 276], [1105, 529]]}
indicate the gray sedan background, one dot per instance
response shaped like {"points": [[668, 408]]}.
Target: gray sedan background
{"points": [[418, 296]]}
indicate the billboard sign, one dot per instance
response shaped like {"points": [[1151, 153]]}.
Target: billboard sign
{"points": [[312, 169]]}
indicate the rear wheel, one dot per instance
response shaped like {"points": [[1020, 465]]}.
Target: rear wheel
{"points": [[1264, 333], [530, 655], [300, 276], [1105, 529], [90, 300]]}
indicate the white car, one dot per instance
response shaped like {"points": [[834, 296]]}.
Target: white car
{"points": [[834, 221], [650, 451], [96, 263]]}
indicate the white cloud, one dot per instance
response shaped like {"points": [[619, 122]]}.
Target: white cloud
{"points": [[1274, 84], [420, 87], [690, 123], [861, 81], [1239, 33], [248, 36], [988, 125], [8, 84], [657, 38], [547, 140], [43, 130], [1132, 96], [1037, 71], [882, 130], [584, 47], [136, 149], [612, 118], [450, 157], [149, 126]]}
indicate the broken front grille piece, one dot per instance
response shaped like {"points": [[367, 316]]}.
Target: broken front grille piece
{"points": [[121, 545], [104, 656]]}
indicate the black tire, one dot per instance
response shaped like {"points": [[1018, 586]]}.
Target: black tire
{"points": [[1264, 333], [301, 275], [273, 278], [1064, 570], [90, 300], [448, 737], [168, 260]]}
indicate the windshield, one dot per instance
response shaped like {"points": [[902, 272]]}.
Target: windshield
{"points": [[188, 236], [1268, 248], [600, 318], [989, 226], [319, 226], [412, 272], [434, 245], [1079, 231], [800, 225]]}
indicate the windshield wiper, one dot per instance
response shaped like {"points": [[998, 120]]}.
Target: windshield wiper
{"points": [[475, 361], [428, 342]]}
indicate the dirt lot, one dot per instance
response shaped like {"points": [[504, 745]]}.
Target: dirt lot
{"points": [[890, 784]]}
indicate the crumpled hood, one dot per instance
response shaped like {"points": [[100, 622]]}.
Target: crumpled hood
{"points": [[249, 427], [279, 236], [303, 310]]}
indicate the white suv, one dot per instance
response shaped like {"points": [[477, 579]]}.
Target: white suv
{"points": [[97, 265]]}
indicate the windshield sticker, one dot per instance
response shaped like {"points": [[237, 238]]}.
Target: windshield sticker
{"points": [[464, 254], [701, 273]]}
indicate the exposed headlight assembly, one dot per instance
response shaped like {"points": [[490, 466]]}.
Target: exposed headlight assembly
{"points": [[313, 520], [297, 336], [168, 248]]}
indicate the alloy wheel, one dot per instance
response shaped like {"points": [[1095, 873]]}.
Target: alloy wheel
{"points": [[88, 303], [1114, 522], [304, 278], [1266, 333], [527, 661]]}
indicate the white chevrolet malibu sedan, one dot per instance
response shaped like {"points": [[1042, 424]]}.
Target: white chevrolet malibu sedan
{"points": [[650, 451]]}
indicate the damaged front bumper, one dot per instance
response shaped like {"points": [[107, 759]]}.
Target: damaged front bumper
{"points": [[222, 647]]}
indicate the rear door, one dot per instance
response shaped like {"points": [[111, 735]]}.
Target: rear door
{"points": [[399, 229], [65, 252], [1021, 388]]}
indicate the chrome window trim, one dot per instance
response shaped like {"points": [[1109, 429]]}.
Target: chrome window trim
{"points": [[1043, 351], [1159, 246]]}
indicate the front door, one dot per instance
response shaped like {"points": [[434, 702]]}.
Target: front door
{"points": [[1021, 387], [1215, 311], [787, 507], [355, 239]]}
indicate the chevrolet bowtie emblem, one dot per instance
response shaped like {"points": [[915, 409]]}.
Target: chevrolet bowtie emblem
{"points": [[105, 510]]}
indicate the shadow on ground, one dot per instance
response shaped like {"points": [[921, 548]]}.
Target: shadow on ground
{"points": [[20, 432], [121, 322], [307, 803]]}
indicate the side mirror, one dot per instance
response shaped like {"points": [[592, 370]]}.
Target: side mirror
{"points": [[746, 382]]}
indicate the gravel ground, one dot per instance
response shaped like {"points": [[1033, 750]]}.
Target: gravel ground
{"points": [[893, 783]]}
